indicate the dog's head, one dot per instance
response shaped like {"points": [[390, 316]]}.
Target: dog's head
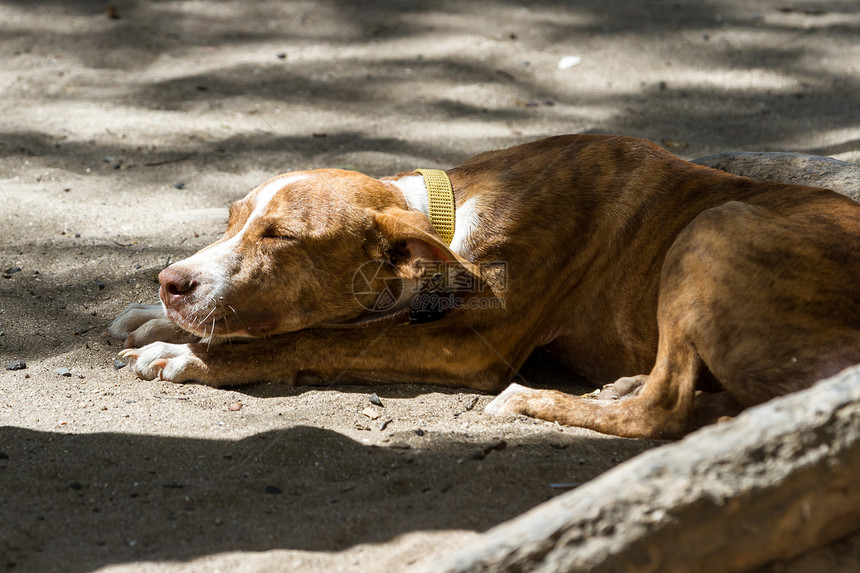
{"points": [[317, 248]]}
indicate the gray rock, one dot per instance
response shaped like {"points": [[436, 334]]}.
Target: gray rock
{"points": [[797, 168], [777, 481]]}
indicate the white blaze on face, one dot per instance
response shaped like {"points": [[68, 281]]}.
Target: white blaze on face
{"points": [[212, 267]]}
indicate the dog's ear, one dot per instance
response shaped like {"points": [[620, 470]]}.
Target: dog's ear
{"points": [[412, 244]]}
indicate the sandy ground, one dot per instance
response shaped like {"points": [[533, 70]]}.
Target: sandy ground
{"points": [[122, 140]]}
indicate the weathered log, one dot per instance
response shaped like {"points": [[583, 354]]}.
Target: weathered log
{"points": [[796, 168], [779, 480]]}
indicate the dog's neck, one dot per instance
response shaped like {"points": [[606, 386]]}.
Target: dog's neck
{"points": [[414, 191]]}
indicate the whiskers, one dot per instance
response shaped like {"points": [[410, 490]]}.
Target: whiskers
{"points": [[209, 342], [208, 334], [239, 320], [205, 326], [205, 319]]}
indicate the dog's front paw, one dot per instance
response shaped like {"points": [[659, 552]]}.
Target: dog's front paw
{"points": [[172, 362], [142, 324]]}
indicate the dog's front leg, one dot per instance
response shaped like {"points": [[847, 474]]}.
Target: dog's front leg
{"points": [[167, 361], [141, 324], [452, 355]]}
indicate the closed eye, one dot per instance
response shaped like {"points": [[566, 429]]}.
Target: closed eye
{"points": [[280, 237], [278, 233], [277, 243]]}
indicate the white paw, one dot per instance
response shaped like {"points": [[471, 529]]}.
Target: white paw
{"points": [[172, 362], [142, 324], [131, 318], [501, 404]]}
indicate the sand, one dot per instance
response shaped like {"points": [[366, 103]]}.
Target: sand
{"points": [[124, 140]]}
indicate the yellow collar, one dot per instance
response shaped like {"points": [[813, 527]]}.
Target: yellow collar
{"points": [[441, 201]]}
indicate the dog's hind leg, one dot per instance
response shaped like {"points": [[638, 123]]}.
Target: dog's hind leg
{"points": [[663, 407], [660, 405]]}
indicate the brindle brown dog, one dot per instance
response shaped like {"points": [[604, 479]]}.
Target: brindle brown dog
{"points": [[617, 256]]}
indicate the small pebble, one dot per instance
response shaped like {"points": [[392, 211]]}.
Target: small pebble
{"points": [[101, 284], [273, 490], [179, 185], [419, 432], [235, 406], [384, 424], [370, 413], [568, 62], [398, 445], [374, 399], [282, 56], [64, 372], [118, 364], [12, 271], [17, 365]]}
